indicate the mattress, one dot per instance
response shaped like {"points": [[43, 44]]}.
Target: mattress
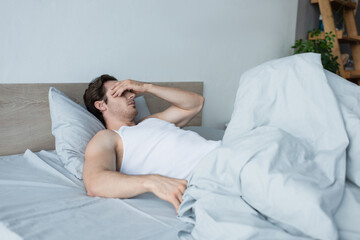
{"points": [[40, 199]]}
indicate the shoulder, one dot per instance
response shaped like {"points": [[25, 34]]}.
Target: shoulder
{"points": [[100, 154], [104, 138], [105, 133]]}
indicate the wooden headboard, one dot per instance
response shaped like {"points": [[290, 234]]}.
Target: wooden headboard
{"points": [[25, 118]]}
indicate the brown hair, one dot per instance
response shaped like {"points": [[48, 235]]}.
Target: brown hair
{"points": [[97, 92]]}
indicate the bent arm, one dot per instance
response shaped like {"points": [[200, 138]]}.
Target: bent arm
{"points": [[101, 178], [185, 104], [99, 173]]}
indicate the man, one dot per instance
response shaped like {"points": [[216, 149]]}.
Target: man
{"points": [[155, 155]]}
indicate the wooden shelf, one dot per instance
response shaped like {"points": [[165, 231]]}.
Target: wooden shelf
{"points": [[353, 74], [339, 35], [352, 36], [339, 3], [354, 39]]}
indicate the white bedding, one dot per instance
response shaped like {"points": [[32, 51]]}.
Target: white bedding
{"points": [[40, 199], [280, 173]]}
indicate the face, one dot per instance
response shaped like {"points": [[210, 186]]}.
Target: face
{"points": [[121, 107]]}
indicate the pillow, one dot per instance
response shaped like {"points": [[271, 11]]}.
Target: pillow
{"points": [[348, 96], [73, 127], [141, 106]]}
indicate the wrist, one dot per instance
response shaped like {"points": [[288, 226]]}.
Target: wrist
{"points": [[148, 87], [148, 182]]}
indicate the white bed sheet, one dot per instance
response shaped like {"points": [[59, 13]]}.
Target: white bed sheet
{"points": [[347, 217], [39, 199]]}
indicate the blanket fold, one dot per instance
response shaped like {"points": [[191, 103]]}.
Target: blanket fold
{"points": [[280, 172]]}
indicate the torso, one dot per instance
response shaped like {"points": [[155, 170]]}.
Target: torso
{"points": [[119, 149], [155, 146]]}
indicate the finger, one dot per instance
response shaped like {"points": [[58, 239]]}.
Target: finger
{"points": [[122, 87], [176, 203], [117, 84], [114, 89], [179, 197], [118, 91], [182, 189], [115, 92], [183, 181]]}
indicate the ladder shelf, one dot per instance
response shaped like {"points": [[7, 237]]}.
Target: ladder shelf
{"points": [[352, 37]]}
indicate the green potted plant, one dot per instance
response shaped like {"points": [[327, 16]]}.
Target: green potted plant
{"points": [[322, 46]]}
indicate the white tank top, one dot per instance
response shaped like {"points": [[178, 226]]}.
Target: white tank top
{"points": [[155, 146]]}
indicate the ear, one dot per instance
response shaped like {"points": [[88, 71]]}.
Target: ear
{"points": [[101, 105]]}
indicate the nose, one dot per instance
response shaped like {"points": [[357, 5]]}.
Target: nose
{"points": [[130, 95]]}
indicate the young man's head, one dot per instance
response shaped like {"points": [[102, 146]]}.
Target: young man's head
{"points": [[102, 104]]}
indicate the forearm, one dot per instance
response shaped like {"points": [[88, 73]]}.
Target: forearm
{"points": [[113, 184], [180, 98], [185, 104]]}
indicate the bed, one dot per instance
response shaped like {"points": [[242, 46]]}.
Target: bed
{"points": [[40, 198]]}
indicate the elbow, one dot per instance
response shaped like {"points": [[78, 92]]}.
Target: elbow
{"points": [[91, 192], [96, 191], [92, 188], [201, 103]]}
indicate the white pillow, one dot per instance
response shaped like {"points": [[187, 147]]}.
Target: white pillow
{"points": [[73, 127], [141, 106]]}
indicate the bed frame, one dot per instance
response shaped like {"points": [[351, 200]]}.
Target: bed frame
{"points": [[25, 119]]}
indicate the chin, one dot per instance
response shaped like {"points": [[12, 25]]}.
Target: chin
{"points": [[135, 113]]}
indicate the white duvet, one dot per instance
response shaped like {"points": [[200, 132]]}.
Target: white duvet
{"points": [[280, 173]]}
